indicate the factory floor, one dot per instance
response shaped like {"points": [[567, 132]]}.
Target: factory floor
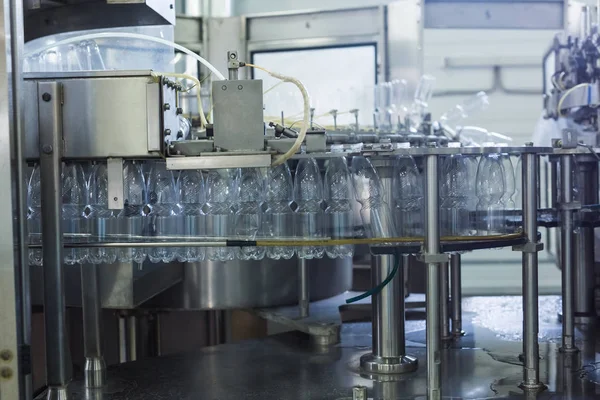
{"points": [[484, 364]]}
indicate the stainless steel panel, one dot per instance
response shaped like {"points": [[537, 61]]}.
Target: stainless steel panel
{"points": [[495, 15], [95, 14], [216, 162], [108, 114], [250, 284], [115, 183], [14, 329], [238, 114], [121, 285], [316, 24]]}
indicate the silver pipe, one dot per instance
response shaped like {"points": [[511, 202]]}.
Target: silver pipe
{"points": [[58, 355], [122, 338], [531, 366], [388, 310], [456, 289], [432, 247], [95, 367], [303, 288], [132, 337], [444, 296], [568, 344]]}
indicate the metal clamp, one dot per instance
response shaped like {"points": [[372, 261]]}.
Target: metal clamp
{"points": [[529, 247], [433, 258], [572, 206]]}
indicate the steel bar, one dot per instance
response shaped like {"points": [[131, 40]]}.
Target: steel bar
{"points": [[444, 304], [567, 256], [58, 355], [122, 321], [303, 288], [432, 247], [132, 338], [95, 367], [456, 290], [531, 365]]}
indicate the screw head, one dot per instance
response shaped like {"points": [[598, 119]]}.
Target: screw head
{"points": [[6, 373], [46, 97], [167, 106], [224, 87], [232, 56], [6, 355], [240, 87], [47, 149], [115, 198]]}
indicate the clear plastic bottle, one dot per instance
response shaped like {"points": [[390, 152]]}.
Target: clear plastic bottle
{"points": [[278, 219], [490, 190], [102, 221], [339, 210], [469, 107], [509, 182], [132, 218], [74, 200], [308, 194], [454, 196], [221, 195], [248, 216], [375, 213], [34, 216], [192, 198], [408, 190], [518, 195], [165, 219]]}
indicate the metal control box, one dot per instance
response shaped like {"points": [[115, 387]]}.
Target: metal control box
{"points": [[238, 115]]}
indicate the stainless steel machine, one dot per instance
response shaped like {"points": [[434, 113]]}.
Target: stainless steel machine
{"points": [[118, 201]]}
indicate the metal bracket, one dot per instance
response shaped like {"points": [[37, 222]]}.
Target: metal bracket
{"points": [[316, 142], [433, 258], [572, 206], [115, 183], [529, 247]]}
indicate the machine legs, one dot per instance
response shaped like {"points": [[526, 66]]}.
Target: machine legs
{"points": [[95, 368], [389, 351], [456, 289], [567, 256]]}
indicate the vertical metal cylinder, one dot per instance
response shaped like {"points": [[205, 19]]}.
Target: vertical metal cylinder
{"points": [[444, 297], [566, 167], [122, 320], [388, 310], [531, 373], [583, 273], [95, 368], [58, 355], [456, 294], [132, 338], [303, 288], [432, 247]]}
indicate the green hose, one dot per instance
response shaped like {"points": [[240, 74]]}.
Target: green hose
{"points": [[378, 288]]}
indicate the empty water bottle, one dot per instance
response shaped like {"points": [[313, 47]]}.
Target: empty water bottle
{"points": [[221, 195], [34, 216], [164, 215], [192, 196], [408, 190], [278, 218], [454, 196], [74, 200], [308, 194], [248, 217], [490, 190], [375, 213], [339, 210], [102, 221], [131, 218], [509, 183]]}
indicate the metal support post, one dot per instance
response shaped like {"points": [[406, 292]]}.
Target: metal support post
{"points": [[303, 288], [583, 273], [95, 368], [389, 349], [432, 249], [456, 290], [567, 210], [531, 365], [58, 355], [444, 304]]}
